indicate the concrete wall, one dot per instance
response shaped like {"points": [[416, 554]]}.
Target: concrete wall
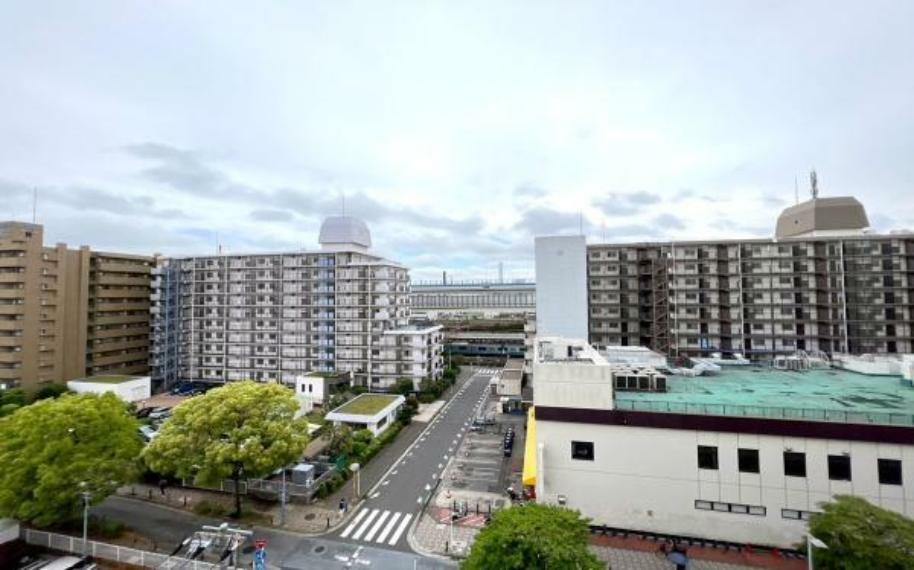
{"points": [[561, 286], [648, 479], [129, 391]]}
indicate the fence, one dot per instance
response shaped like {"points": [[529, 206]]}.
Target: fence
{"points": [[769, 412], [112, 552]]}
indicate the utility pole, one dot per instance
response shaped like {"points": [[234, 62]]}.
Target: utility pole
{"points": [[86, 496], [282, 500]]}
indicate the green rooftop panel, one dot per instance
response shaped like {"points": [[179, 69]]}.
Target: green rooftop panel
{"points": [[818, 395], [366, 404]]}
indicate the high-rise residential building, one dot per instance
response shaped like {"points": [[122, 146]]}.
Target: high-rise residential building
{"points": [[561, 286], [276, 316], [823, 283], [67, 313]]}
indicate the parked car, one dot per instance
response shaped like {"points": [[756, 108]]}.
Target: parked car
{"points": [[159, 413], [144, 412], [148, 433]]}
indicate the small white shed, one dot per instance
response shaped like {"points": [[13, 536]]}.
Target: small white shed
{"points": [[128, 388]]}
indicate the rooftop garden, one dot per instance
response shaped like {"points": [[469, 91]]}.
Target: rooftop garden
{"points": [[366, 404]]}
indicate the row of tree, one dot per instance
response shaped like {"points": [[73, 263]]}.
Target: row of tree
{"points": [[54, 450]]}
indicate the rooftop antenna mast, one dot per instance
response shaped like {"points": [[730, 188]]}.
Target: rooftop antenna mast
{"points": [[813, 184], [343, 198], [35, 205], [796, 189], [581, 222]]}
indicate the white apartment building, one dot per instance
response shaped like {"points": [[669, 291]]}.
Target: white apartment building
{"points": [[561, 286], [743, 457], [276, 316]]}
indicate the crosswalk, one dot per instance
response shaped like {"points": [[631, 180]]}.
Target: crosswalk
{"points": [[377, 526], [486, 370]]}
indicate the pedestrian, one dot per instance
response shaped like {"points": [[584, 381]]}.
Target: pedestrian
{"points": [[162, 484]]}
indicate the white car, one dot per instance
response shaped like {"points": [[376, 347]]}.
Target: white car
{"points": [[148, 433]]}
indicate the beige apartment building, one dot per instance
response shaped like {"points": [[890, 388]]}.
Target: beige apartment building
{"points": [[66, 313], [824, 283]]}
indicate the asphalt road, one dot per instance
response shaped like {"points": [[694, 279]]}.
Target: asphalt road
{"points": [[285, 550], [394, 503]]}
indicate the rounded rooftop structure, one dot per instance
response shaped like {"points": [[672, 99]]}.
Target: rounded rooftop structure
{"points": [[823, 216], [339, 231]]}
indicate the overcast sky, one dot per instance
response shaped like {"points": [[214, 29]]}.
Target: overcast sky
{"points": [[457, 130]]}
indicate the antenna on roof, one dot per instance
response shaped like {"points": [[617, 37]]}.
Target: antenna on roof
{"points": [[581, 222], [813, 184], [796, 189], [343, 198], [35, 205]]}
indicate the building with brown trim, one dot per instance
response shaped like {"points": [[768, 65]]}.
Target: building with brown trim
{"points": [[69, 313], [744, 457]]}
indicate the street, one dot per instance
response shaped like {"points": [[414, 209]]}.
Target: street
{"points": [[392, 505], [376, 534]]}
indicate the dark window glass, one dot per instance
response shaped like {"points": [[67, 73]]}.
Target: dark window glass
{"points": [[839, 467], [889, 472], [748, 460], [582, 450], [707, 457], [794, 464]]}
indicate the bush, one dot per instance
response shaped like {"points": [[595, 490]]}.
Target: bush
{"points": [[51, 391], [210, 509], [427, 398], [106, 528]]}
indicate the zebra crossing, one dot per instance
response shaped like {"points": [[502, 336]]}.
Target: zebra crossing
{"points": [[486, 370], [377, 526]]}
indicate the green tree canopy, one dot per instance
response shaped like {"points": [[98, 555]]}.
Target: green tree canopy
{"points": [[533, 537], [861, 536], [11, 400], [53, 450], [242, 430]]}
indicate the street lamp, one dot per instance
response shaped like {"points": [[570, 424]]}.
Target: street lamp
{"points": [[86, 496], [354, 467], [810, 542]]}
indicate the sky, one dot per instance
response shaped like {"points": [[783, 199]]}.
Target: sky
{"points": [[457, 130]]}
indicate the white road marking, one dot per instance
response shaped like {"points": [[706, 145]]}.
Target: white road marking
{"points": [[351, 527], [400, 529], [377, 526], [365, 524], [390, 526]]}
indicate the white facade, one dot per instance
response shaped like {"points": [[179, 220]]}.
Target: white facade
{"points": [[648, 479], [656, 472], [561, 286], [376, 423], [413, 352], [277, 316], [134, 389]]}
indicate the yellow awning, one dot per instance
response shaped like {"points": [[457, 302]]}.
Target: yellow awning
{"points": [[529, 475]]}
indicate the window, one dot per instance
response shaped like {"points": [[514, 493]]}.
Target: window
{"points": [[889, 472], [794, 464], [582, 450], [735, 508], [707, 457], [748, 460], [839, 467]]}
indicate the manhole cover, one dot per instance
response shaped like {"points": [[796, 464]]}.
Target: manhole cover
{"points": [[310, 516], [319, 549]]}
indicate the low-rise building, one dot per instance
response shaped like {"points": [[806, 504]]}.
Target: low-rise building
{"points": [[745, 456], [510, 378], [374, 412], [128, 388]]}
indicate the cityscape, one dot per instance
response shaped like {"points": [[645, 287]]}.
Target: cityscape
{"points": [[424, 285]]}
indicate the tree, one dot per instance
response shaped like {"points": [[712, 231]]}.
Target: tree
{"points": [[533, 537], [360, 441], [403, 386], [242, 430], [54, 450], [51, 391], [861, 536], [11, 400], [340, 440]]}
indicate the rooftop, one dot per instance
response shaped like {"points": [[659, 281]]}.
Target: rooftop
{"points": [[816, 395], [108, 379], [367, 404]]}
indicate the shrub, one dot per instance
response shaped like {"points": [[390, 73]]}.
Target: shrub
{"points": [[210, 509]]}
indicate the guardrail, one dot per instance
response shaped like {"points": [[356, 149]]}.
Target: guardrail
{"points": [[112, 552], [768, 412]]}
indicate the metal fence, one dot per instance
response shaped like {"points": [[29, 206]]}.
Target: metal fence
{"points": [[769, 412], [112, 552]]}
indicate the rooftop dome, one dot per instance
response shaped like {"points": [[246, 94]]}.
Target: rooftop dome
{"points": [[344, 231], [823, 216]]}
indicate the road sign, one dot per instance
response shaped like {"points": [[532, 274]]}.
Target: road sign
{"points": [[260, 555]]}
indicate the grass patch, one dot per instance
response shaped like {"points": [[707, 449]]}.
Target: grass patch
{"points": [[366, 404]]}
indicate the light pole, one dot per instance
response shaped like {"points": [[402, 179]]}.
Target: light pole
{"points": [[810, 542], [354, 467], [86, 496], [282, 500]]}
